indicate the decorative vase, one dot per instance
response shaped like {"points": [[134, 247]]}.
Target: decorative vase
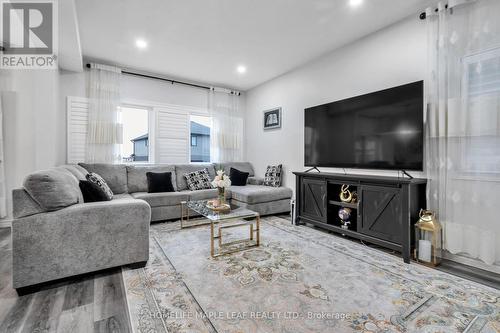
{"points": [[345, 195], [345, 215], [222, 195]]}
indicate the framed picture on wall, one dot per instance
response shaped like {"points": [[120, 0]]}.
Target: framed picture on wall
{"points": [[272, 118]]}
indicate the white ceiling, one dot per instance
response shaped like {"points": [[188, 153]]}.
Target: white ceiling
{"points": [[205, 40]]}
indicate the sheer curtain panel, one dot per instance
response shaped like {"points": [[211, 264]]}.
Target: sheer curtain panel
{"points": [[226, 139], [104, 131], [3, 194], [463, 125], [6, 88]]}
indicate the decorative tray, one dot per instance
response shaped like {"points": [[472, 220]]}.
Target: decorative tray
{"points": [[222, 208]]}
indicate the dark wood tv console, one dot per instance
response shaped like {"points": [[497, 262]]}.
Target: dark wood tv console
{"points": [[384, 214]]}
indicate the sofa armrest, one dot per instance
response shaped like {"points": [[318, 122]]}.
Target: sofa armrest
{"points": [[79, 239], [255, 181], [23, 204]]}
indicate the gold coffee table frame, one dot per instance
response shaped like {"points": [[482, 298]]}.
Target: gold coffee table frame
{"points": [[220, 221]]}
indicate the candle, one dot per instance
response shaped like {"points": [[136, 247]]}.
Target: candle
{"points": [[424, 250]]}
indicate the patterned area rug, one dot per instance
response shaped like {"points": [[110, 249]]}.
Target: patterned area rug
{"points": [[299, 280]]}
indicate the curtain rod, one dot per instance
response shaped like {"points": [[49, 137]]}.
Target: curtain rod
{"points": [[171, 81], [423, 15]]}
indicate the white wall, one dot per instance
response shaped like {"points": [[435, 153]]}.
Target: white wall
{"points": [[390, 57], [163, 92], [136, 88], [32, 124]]}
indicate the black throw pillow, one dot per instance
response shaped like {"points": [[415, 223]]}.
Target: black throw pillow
{"points": [[159, 182], [238, 178], [92, 192]]}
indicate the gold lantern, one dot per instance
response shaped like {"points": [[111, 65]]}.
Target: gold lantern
{"points": [[428, 239]]}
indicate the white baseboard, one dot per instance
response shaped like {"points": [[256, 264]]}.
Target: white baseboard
{"points": [[7, 223]]}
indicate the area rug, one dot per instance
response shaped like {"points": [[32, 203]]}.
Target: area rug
{"points": [[299, 280]]}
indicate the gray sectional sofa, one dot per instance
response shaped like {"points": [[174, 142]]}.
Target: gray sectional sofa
{"points": [[56, 235]]}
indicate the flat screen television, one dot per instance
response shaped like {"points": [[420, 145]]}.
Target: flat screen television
{"points": [[380, 130]]}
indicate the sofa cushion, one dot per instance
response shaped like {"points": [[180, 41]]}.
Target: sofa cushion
{"points": [[182, 169], [253, 194], [53, 189], [242, 166], [255, 181], [161, 199], [76, 170], [137, 180], [266, 208], [123, 196], [115, 175], [202, 194]]}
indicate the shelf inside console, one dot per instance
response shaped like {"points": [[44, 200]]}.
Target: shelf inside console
{"points": [[343, 204], [335, 204]]}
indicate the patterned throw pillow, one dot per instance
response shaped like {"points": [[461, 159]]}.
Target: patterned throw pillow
{"points": [[198, 180], [96, 179], [273, 176]]}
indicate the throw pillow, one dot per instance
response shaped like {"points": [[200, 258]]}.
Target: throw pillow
{"points": [[273, 176], [198, 180], [238, 178], [53, 189], [159, 182], [96, 179], [92, 192]]}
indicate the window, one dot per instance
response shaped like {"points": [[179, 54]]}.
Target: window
{"points": [[479, 133], [200, 138], [135, 146], [156, 134]]}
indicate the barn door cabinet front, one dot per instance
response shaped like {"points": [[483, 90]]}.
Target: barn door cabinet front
{"points": [[381, 213], [313, 199]]}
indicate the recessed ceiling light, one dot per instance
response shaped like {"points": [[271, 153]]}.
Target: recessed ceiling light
{"points": [[241, 69], [141, 44], [355, 3]]}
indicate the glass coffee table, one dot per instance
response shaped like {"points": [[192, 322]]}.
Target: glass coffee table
{"points": [[236, 217]]}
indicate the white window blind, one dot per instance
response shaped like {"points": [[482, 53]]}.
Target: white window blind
{"points": [[483, 73], [172, 135], [77, 116], [481, 87]]}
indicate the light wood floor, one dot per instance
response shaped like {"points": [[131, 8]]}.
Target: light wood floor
{"points": [[95, 303]]}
